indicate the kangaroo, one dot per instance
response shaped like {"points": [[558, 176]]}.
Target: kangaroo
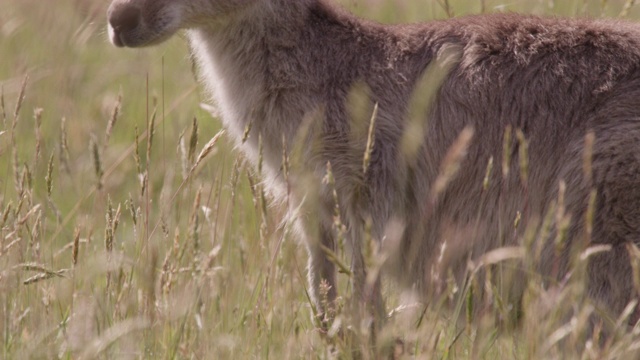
{"points": [[276, 66]]}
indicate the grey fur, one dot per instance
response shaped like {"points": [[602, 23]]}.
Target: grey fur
{"points": [[275, 63]]}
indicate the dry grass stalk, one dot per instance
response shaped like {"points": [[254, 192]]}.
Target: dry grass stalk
{"points": [[112, 221], [26, 217], [335, 259], [151, 125], [16, 111], [44, 276], [543, 235], [44, 272], [628, 4], [167, 270], [109, 239], [194, 224], [247, 132], [21, 201], [487, 175], [634, 255], [14, 147], [75, 250], [5, 214], [253, 186], [112, 120], [97, 163], [261, 200], [16, 173], [27, 179], [590, 214], [35, 233], [446, 6], [285, 153], [184, 157], [3, 108], [235, 177], [150, 288], [338, 226], [206, 150], [523, 154], [193, 142], [136, 152], [563, 220], [132, 210], [587, 166], [68, 246], [207, 263], [451, 162], [506, 152], [370, 140], [17, 179], [64, 146], [49, 177], [37, 116], [116, 218], [286, 165], [587, 156]]}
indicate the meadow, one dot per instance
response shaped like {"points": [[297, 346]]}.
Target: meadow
{"points": [[131, 228]]}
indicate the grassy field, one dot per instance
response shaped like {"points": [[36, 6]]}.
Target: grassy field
{"points": [[122, 242]]}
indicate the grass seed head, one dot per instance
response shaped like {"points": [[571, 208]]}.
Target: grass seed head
{"points": [[36, 231], [247, 132], [132, 210], [37, 116], [97, 162], [150, 132], [207, 149], [136, 152], [16, 111], [452, 161], [193, 141], [76, 247], [108, 231], [16, 171], [184, 156], [5, 214], [194, 222], [64, 147], [112, 120], [370, 140], [49, 177]]}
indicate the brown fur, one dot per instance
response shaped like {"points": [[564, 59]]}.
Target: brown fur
{"points": [[275, 62]]}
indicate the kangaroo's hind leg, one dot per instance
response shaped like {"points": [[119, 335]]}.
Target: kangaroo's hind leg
{"points": [[616, 172]]}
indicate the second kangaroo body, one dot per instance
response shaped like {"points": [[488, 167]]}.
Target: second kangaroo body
{"points": [[520, 92]]}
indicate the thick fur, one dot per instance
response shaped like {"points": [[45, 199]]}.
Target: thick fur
{"points": [[275, 63]]}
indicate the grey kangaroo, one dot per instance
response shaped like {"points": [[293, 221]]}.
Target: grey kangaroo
{"points": [[502, 82]]}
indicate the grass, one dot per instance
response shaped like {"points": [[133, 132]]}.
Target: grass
{"points": [[127, 233]]}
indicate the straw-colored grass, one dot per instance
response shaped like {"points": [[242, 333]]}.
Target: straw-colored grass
{"points": [[130, 228]]}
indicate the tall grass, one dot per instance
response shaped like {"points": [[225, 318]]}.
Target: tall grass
{"points": [[130, 228]]}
